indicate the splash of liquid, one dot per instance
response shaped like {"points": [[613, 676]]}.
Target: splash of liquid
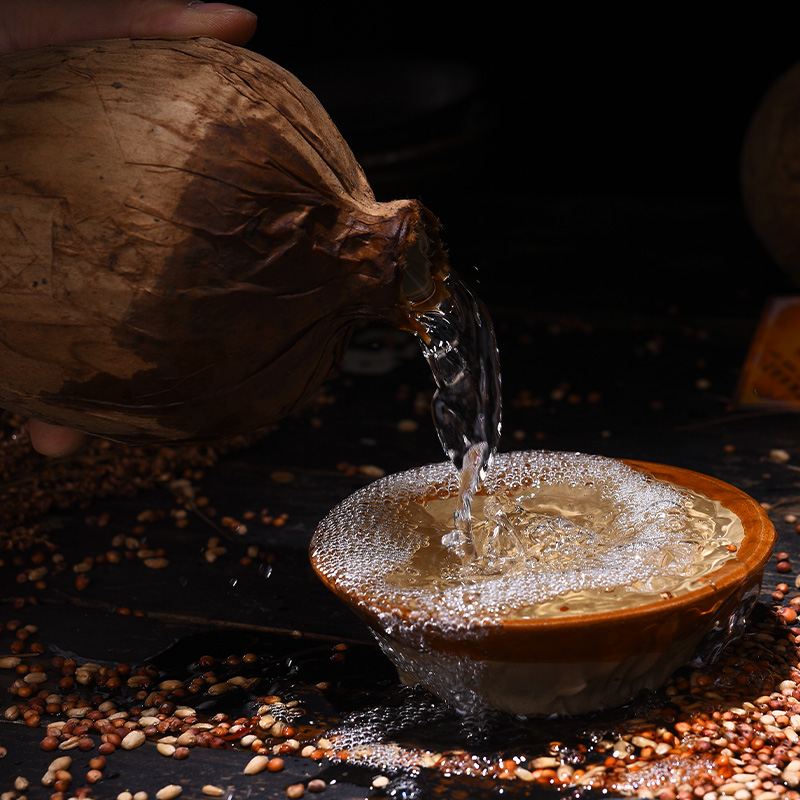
{"points": [[461, 351], [562, 550]]}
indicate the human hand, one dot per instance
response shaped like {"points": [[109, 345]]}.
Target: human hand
{"points": [[53, 440], [27, 24]]}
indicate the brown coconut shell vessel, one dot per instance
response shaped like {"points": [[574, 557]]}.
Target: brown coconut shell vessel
{"points": [[186, 240], [622, 652]]}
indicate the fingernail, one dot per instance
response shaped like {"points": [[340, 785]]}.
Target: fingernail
{"points": [[199, 5]]}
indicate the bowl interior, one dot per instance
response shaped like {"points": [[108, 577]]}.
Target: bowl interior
{"points": [[606, 635]]}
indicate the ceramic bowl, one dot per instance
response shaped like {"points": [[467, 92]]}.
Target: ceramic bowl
{"points": [[536, 666]]}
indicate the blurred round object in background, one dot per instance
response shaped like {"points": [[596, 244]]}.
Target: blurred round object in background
{"points": [[770, 173]]}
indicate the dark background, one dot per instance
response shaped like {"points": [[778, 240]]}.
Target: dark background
{"points": [[577, 153]]}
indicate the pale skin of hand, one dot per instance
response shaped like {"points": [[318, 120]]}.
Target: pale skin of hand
{"points": [[26, 24]]}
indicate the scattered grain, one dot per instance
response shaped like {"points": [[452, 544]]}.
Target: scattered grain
{"points": [[256, 764], [169, 792], [371, 471], [133, 739]]}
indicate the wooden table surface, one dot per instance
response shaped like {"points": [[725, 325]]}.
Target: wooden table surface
{"points": [[643, 378], [623, 320]]}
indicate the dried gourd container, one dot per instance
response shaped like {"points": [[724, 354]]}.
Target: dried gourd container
{"points": [[186, 242]]}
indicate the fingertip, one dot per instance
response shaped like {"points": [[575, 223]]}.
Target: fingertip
{"points": [[228, 23], [54, 440]]}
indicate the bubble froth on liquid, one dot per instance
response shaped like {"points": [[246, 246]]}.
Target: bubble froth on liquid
{"points": [[577, 534]]}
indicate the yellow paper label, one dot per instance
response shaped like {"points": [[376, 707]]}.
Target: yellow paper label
{"points": [[771, 373]]}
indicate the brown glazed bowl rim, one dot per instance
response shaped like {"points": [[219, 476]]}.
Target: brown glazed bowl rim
{"points": [[617, 634]]}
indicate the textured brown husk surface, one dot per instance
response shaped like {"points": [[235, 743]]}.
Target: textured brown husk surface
{"points": [[187, 241]]}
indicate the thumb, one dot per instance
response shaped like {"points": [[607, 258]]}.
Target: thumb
{"points": [[178, 19], [26, 24], [53, 440]]}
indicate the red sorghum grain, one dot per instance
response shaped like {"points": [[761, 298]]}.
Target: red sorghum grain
{"points": [[94, 775]]}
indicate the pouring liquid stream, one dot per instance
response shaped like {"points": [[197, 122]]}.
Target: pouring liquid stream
{"points": [[461, 352], [565, 523]]}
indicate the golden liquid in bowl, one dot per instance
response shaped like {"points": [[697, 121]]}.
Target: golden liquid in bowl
{"points": [[554, 534], [561, 550]]}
